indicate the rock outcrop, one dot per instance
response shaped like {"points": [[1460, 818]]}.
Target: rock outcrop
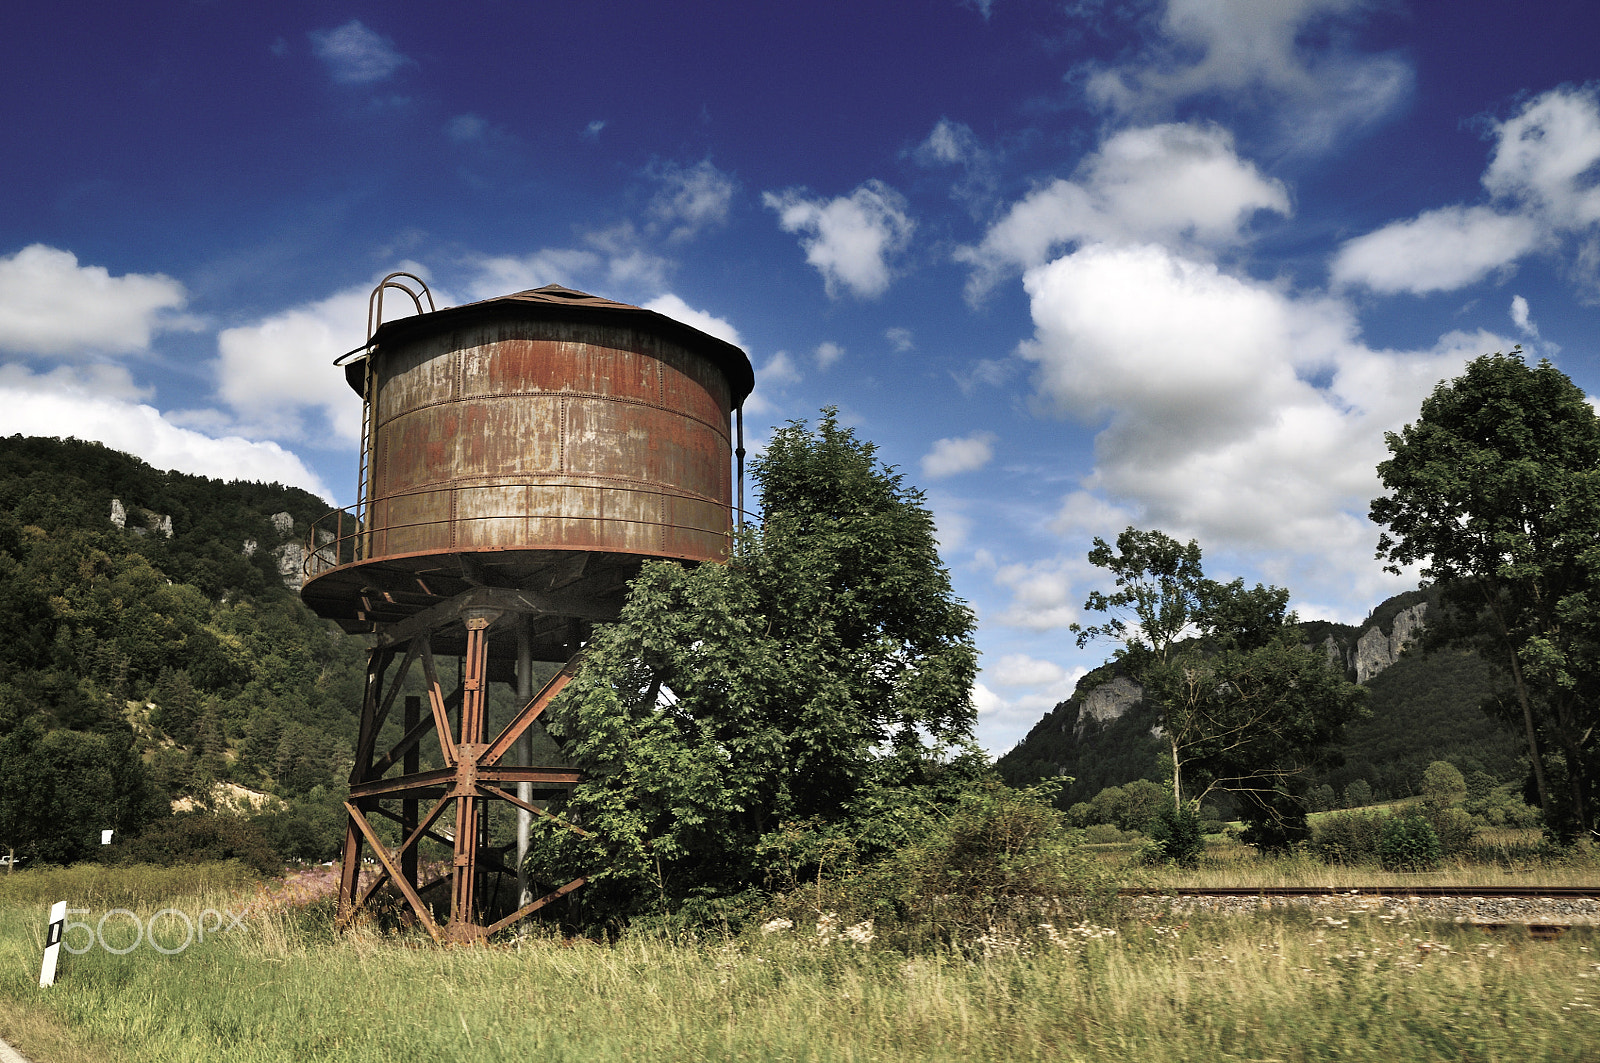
{"points": [[159, 523], [292, 564], [1109, 701], [1375, 651]]}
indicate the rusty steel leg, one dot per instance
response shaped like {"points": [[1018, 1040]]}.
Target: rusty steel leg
{"points": [[349, 873], [350, 860], [477, 771], [464, 926], [408, 808]]}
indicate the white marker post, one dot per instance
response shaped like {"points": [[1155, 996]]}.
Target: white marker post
{"points": [[52, 943], [105, 836]]}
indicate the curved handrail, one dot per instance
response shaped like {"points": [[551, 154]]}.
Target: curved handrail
{"points": [[375, 300]]}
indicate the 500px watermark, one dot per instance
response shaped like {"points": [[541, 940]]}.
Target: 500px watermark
{"points": [[176, 931]]}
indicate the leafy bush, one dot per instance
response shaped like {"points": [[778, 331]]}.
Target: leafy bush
{"points": [[202, 838], [1408, 843], [1358, 794], [1104, 834], [1275, 820], [998, 858], [1452, 826], [1499, 806], [1176, 836], [1348, 837]]}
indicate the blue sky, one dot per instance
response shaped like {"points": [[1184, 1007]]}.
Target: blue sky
{"points": [[1070, 265]]}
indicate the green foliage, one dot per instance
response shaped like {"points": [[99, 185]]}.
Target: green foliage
{"points": [[204, 837], [1408, 842], [1498, 806], [1274, 819], [59, 789], [990, 860], [1358, 794], [820, 676], [1246, 708], [1426, 707], [1348, 837], [1176, 837], [1133, 807], [155, 666], [1443, 784], [996, 855], [1496, 490]]}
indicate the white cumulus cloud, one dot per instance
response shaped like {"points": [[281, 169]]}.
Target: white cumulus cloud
{"points": [[101, 403], [1177, 184], [675, 308], [776, 375], [828, 354], [691, 199], [1233, 411], [1439, 250], [1257, 50], [950, 457], [1541, 179], [849, 239], [355, 55], [273, 372], [1520, 317], [497, 275], [1042, 595], [51, 305], [1545, 156]]}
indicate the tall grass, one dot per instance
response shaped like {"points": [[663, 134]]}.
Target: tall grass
{"points": [[102, 886], [1285, 986]]}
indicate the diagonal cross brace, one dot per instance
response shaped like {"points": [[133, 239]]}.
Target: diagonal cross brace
{"points": [[532, 710]]}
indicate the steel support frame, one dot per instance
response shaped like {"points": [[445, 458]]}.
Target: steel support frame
{"points": [[475, 774]]}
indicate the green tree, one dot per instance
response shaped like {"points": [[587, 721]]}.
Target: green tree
{"points": [[821, 676], [59, 789], [1495, 491], [1245, 707], [1443, 784]]}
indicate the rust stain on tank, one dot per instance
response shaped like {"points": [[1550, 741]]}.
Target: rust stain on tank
{"points": [[531, 426]]}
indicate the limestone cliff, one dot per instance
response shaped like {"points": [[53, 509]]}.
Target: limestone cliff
{"points": [[1374, 651], [1109, 701]]}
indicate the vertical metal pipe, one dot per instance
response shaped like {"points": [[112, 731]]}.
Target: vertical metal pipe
{"points": [[524, 757], [738, 418]]}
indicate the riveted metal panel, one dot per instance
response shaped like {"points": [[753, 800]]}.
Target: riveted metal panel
{"points": [[551, 436]]}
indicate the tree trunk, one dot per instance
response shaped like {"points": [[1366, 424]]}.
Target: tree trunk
{"points": [[1533, 736], [1177, 793], [1577, 777]]}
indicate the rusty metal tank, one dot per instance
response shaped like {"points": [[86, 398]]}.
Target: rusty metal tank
{"points": [[546, 442]]}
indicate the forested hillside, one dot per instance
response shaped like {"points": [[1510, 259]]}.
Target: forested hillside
{"points": [[1423, 707], [151, 649]]}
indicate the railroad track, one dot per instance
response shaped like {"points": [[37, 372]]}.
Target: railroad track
{"points": [[1535, 919], [1553, 892]]}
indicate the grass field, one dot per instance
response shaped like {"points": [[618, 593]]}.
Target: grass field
{"points": [[1287, 986]]}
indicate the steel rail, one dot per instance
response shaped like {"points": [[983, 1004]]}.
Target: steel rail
{"points": [[1418, 890]]}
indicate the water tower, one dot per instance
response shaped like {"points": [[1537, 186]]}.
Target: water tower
{"points": [[521, 457]]}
